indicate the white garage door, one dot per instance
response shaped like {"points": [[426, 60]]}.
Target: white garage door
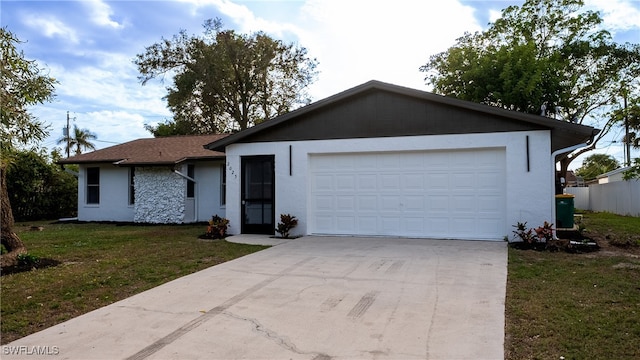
{"points": [[436, 194]]}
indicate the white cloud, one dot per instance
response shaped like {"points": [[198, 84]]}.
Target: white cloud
{"points": [[494, 15], [618, 15], [105, 98], [101, 14], [357, 41], [109, 125], [51, 27], [244, 18]]}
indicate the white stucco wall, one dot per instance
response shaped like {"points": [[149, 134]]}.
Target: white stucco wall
{"points": [[208, 200], [114, 195], [159, 194], [529, 194]]}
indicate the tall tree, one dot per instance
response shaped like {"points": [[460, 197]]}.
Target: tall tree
{"points": [[597, 164], [630, 117], [224, 81], [22, 84], [548, 57], [80, 140]]}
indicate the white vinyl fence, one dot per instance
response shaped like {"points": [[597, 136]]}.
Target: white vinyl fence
{"points": [[619, 197]]}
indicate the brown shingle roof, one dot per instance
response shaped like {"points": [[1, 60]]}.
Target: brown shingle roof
{"points": [[153, 151]]}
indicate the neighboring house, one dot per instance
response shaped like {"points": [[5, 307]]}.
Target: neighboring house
{"points": [[613, 175], [574, 180], [381, 159], [159, 180]]}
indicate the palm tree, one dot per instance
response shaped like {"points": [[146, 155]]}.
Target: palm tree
{"points": [[80, 140]]}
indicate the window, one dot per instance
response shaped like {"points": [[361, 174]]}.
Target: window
{"points": [[191, 185], [223, 185], [132, 189], [93, 185]]}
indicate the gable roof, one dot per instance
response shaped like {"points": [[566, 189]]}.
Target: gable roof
{"points": [[152, 151], [377, 109]]}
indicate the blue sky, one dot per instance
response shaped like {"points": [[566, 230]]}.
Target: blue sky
{"points": [[89, 45]]}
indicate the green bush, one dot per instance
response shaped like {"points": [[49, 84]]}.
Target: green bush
{"points": [[39, 189]]}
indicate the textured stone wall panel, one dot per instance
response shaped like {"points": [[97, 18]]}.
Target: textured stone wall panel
{"points": [[159, 196]]}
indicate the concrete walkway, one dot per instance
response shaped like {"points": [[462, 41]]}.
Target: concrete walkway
{"points": [[309, 298]]}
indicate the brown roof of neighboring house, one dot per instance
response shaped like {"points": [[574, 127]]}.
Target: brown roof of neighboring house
{"points": [[154, 151]]}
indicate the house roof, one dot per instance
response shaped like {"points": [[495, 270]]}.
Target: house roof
{"points": [[377, 109], [152, 151], [613, 172]]}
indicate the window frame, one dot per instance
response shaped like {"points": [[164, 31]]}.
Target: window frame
{"points": [[223, 185], [92, 196], [132, 189], [191, 185]]}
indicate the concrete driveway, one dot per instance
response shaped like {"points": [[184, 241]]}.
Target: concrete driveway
{"points": [[310, 298]]}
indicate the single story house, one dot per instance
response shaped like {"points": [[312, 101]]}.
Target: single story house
{"points": [[374, 160], [158, 180], [385, 160]]}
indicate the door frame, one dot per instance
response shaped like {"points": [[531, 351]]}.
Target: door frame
{"points": [[264, 228]]}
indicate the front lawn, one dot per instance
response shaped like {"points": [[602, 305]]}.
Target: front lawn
{"points": [[577, 306], [100, 264]]}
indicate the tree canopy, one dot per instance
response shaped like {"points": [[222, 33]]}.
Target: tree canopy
{"points": [[22, 84], [224, 81], [548, 57], [596, 164]]}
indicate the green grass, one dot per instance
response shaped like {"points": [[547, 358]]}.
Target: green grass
{"points": [[580, 306], [100, 264]]}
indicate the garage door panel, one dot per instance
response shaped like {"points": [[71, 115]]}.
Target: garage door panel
{"points": [[345, 203], [368, 203], [324, 221], [389, 182], [463, 204], [437, 180], [345, 182], [367, 182], [346, 224], [322, 182], [414, 203], [455, 194], [324, 203], [413, 182], [414, 225], [390, 203], [438, 203], [390, 225], [366, 222], [490, 204]]}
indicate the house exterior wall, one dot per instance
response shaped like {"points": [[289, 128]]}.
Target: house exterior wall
{"points": [[208, 192], [159, 194], [114, 195], [529, 194]]}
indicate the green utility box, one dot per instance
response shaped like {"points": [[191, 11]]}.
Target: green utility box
{"points": [[564, 211]]}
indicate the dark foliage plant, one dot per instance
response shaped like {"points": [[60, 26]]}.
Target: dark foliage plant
{"points": [[286, 224], [217, 228], [40, 190]]}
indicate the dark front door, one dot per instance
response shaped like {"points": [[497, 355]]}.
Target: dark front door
{"points": [[258, 188]]}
